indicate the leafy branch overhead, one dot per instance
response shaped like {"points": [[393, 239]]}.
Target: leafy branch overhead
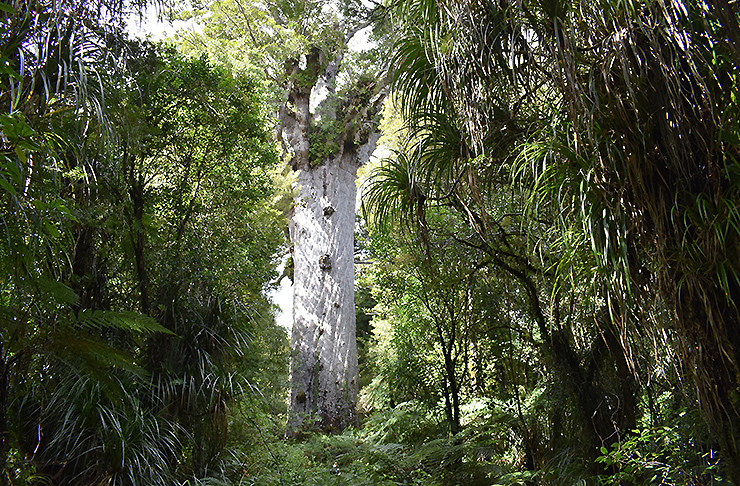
{"points": [[321, 95]]}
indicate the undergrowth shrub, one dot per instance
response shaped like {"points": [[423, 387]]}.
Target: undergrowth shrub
{"points": [[676, 453], [403, 446]]}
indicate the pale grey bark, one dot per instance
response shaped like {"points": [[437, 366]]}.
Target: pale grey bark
{"points": [[324, 375], [324, 363]]}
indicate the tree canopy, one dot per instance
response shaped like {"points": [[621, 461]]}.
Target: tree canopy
{"points": [[140, 244]]}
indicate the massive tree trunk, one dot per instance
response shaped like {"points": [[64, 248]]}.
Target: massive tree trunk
{"points": [[324, 364], [324, 375]]}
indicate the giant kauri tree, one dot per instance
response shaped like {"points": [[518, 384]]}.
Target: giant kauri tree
{"points": [[326, 107]]}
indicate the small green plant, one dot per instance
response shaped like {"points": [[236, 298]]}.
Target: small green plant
{"points": [[20, 471], [324, 141], [660, 455]]}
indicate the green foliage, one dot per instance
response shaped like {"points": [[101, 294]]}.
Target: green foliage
{"points": [[139, 248], [272, 35], [324, 137], [398, 446], [566, 160], [662, 455], [91, 432], [554, 243]]}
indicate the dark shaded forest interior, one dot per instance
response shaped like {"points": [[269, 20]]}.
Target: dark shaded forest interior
{"points": [[534, 280]]}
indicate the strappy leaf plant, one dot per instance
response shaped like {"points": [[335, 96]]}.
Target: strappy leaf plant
{"points": [[612, 127]]}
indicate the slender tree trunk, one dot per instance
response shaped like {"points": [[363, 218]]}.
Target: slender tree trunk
{"points": [[139, 243], [4, 371], [454, 394], [137, 231]]}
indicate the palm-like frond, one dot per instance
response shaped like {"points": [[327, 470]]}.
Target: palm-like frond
{"points": [[89, 434], [438, 144], [394, 192], [414, 74], [127, 321]]}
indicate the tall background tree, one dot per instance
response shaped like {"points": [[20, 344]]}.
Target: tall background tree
{"points": [[140, 244]]}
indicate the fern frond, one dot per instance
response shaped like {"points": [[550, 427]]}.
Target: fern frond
{"points": [[128, 321]]}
